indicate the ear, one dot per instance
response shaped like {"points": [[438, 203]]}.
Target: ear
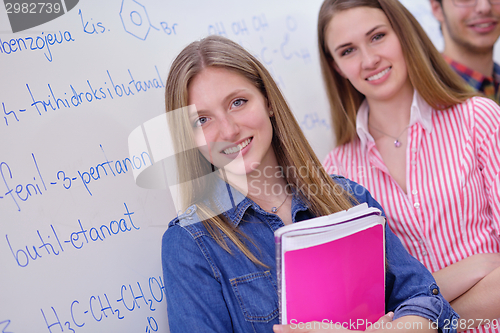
{"points": [[269, 109], [437, 10]]}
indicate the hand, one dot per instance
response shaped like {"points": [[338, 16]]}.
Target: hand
{"points": [[380, 323], [310, 327], [316, 326], [481, 304]]}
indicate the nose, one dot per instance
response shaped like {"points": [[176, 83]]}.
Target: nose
{"points": [[229, 128], [483, 6], [370, 58]]}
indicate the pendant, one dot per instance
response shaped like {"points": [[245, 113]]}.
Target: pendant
{"points": [[397, 144], [274, 209]]}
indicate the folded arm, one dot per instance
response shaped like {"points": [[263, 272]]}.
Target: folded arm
{"points": [[458, 278], [480, 305]]}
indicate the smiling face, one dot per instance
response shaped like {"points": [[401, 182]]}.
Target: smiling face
{"points": [[472, 29], [367, 52], [232, 121]]}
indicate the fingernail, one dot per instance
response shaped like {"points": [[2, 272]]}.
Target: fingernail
{"points": [[277, 329], [390, 314]]}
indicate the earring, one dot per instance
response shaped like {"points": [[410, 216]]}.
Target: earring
{"points": [[271, 113]]}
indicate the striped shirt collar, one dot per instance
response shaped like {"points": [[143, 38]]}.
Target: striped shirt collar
{"points": [[421, 113]]}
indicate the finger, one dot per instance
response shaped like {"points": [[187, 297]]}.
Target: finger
{"points": [[384, 319], [288, 329], [284, 329], [308, 328]]}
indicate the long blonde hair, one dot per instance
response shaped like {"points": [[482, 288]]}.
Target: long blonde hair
{"points": [[289, 144], [428, 72]]}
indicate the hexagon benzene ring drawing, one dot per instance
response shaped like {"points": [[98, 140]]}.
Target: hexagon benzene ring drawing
{"points": [[135, 19]]}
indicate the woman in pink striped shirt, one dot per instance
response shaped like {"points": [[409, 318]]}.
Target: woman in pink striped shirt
{"points": [[410, 130]]}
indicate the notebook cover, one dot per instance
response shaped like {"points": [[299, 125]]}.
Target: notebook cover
{"points": [[342, 281]]}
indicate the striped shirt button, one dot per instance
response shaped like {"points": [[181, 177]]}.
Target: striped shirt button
{"points": [[416, 205]]}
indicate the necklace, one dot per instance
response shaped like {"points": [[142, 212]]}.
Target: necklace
{"points": [[397, 143], [275, 209]]}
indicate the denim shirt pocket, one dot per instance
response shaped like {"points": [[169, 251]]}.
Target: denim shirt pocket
{"points": [[257, 296]]}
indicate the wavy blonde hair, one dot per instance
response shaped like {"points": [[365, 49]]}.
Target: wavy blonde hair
{"points": [[428, 72], [288, 142]]}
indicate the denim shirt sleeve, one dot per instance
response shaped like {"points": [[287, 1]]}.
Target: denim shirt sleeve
{"points": [[410, 287], [194, 295]]}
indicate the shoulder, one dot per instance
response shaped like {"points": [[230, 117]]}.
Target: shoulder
{"points": [[479, 107], [346, 182], [185, 225], [330, 162], [357, 191], [352, 187], [341, 156], [347, 147], [184, 242], [185, 252], [482, 116], [486, 107]]}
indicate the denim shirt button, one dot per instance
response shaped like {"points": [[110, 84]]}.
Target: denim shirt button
{"points": [[188, 213], [435, 291]]}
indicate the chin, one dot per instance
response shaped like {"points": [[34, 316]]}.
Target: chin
{"points": [[238, 169]]}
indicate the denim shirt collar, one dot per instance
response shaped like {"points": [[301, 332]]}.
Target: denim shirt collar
{"points": [[233, 205], [421, 113]]}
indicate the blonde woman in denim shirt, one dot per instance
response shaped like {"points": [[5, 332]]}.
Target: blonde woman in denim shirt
{"points": [[253, 172]]}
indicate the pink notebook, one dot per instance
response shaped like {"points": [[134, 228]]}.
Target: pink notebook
{"points": [[332, 270]]}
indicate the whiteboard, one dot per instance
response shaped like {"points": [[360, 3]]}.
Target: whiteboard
{"points": [[80, 242]]}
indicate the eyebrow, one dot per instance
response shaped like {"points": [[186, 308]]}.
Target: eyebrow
{"points": [[367, 34], [234, 93], [192, 114], [230, 96]]}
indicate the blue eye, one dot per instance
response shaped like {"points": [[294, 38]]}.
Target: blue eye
{"points": [[378, 36], [346, 51], [239, 102], [200, 121]]}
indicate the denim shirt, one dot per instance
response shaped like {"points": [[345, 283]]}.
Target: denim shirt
{"points": [[211, 290]]}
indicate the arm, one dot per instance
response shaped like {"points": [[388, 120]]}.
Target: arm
{"points": [[194, 297], [481, 301], [411, 291], [458, 278], [408, 324]]}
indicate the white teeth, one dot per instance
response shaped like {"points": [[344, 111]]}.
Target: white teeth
{"points": [[239, 147], [483, 25], [379, 75]]}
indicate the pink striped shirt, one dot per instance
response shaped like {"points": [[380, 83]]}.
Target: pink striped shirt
{"points": [[452, 206]]}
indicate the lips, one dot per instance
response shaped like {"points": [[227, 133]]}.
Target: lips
{"points": [[379, 75], [483, 25], [238, 147]]}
